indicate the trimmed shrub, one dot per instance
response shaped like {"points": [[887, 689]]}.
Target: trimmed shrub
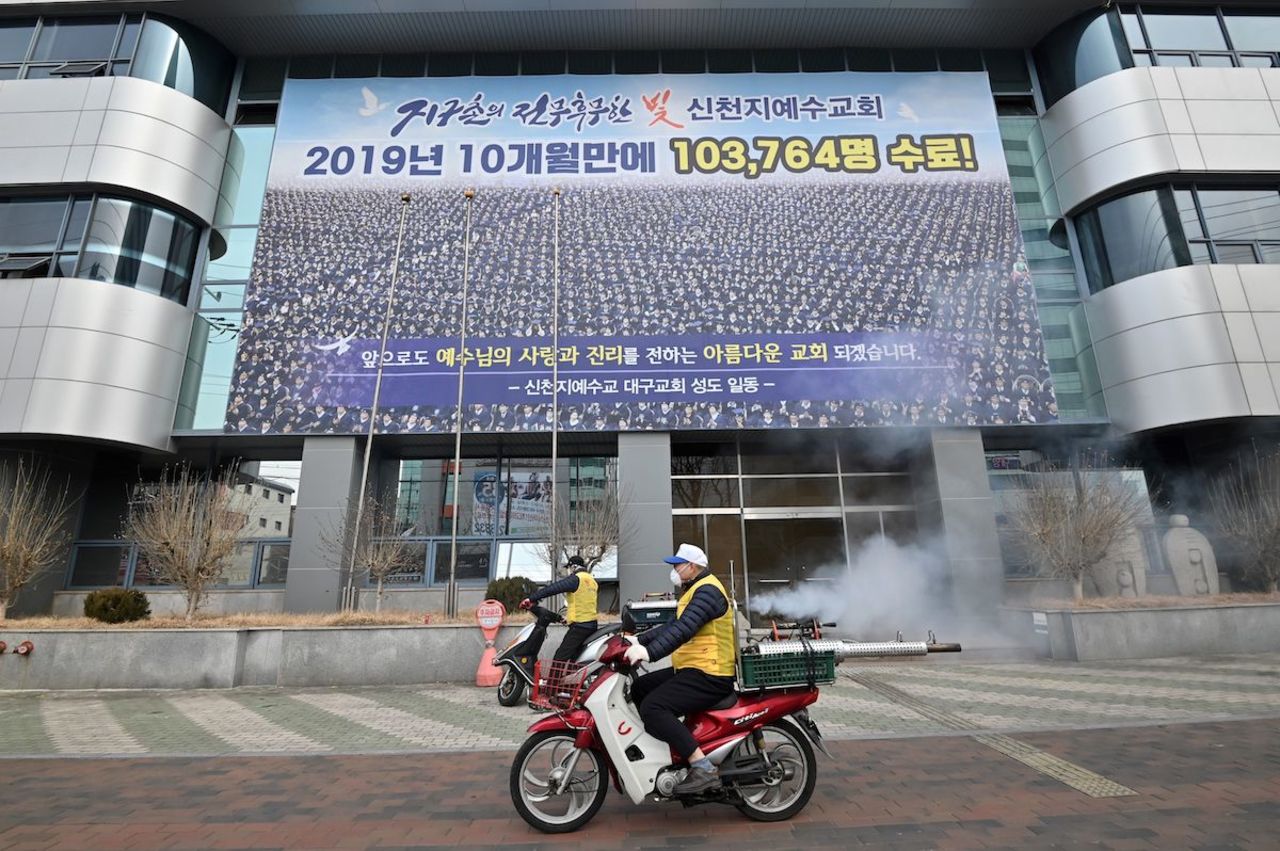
{"points": [[117, 605], [510, 591]]}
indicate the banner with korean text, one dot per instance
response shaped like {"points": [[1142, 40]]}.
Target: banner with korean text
{"points": [[689, 252]]}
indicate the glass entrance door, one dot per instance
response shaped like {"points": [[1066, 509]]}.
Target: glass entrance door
{"points": [[784, 552]]}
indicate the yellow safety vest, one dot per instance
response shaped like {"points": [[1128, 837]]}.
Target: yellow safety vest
{"points": [[711, 650], [582, 603]]}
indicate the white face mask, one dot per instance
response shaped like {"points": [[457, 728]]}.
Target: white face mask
{"points": [[675, 577]]}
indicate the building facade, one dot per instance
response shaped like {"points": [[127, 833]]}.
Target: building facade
{"points": [[142, 227]]}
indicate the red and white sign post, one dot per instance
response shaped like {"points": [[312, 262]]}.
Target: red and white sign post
{"points": [[490, 615]]}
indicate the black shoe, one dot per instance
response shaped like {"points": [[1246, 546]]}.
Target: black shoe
{"points": [[698, 780]]}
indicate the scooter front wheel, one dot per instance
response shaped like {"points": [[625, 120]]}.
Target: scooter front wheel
{"points": [[511, 689], [556, 786]]}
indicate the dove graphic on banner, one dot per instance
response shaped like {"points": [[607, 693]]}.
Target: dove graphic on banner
{"points": [[372, 106]]}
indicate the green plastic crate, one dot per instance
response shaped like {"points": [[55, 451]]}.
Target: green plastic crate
{"points": [[787, 669]]}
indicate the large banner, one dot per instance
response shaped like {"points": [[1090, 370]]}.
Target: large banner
{"points": [[689, 252]]}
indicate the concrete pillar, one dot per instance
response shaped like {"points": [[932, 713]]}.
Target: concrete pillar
{"points": [[329, 483], [954, 501], [644, 483]]}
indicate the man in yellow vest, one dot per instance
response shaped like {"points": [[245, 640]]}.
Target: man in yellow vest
{"points": [[581, 592], [703, 654]]}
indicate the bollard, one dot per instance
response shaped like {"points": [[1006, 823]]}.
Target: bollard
{"points": [[490, 615]]}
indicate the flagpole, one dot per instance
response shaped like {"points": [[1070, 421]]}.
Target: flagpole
{"points": [[555, 377], [350, 602], [451, 594]]}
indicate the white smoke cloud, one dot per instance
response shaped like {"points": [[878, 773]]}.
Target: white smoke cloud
{"points": [[886, 587]]}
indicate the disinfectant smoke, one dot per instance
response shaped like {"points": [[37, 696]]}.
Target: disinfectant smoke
{"points": [[885, 587]]}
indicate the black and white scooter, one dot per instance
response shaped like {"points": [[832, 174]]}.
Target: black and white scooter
{"points": [[521, 654]]}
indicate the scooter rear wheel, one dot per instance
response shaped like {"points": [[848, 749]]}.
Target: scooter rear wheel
{"points": [[783, 797], [511, 689], [541, 764]]}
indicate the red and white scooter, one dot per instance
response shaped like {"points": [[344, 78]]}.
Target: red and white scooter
{"points": [[762, 743]]}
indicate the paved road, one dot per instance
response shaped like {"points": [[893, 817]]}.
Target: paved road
{"points": [[1159, 754], [1200, 786], [869, 701]]}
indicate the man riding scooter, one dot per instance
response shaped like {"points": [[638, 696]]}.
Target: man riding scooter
{"points": [[703, 654], [581, 591]]}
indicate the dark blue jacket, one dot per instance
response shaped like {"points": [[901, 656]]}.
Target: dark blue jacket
{"points": [[707, 605], [560, 586]]}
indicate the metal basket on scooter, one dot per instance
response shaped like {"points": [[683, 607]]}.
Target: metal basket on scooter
{"points": [[557, 686]]}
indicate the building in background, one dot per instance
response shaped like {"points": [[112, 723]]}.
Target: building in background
{"points": [[199, 209]]}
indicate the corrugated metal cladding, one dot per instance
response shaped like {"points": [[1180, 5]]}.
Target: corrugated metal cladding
{"points": [[896, 23]]}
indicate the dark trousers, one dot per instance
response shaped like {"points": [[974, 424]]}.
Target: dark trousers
{"points": [[574, 639], [664, 695]]}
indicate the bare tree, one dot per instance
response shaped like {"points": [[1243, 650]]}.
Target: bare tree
{"points": [[1067, 521], [592, 528], [378, 549], [186, 529], [1246, 504], [33, 514]]}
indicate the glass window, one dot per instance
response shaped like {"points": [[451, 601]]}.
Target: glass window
{"points": [[15, 39], [878, 490], [1133, 30], [822, 59], [684, 62], [185, 60], [355, 67], [31, 225], [915, 60], [251, 186], [97, 566], [542, 62], [129, 38], [1078, 52], [273, 566], [230, 254], [955, 59], [1252, 61], [1235, 253], [1192, 31], [473, 562], [1241, 213], [590, 62], [1187, 214], [262, 79], [1175, 60], [702, 459], [777, 61], [1131, 236], [449, 64], [729, 61], [206, 384], [311, 67], [238, 568], [404, 65], [9, 73], [704, 493], [1008, 71], [1271, 254], [796, 454], [497, 64], [635, 62], [869, 59], [139, 246], [67, 39], [1253, 32], [521, 558], [1215, 60], [782, 493]]}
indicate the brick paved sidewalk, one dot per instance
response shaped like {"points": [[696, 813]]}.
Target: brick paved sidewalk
{"points": [[869, 701], [1206, 786]]}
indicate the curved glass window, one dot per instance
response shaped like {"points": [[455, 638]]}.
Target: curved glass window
{"points": [[184, 59], [103, 238], [144, 46], [1078, 52], [141, 246], [1169, 226]]}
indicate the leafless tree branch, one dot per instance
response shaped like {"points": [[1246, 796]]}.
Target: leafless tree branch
{"points": [[33, 514], [1246, 504]]}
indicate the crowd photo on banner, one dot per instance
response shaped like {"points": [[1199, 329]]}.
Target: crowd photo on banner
{"points": [[937, 262]]}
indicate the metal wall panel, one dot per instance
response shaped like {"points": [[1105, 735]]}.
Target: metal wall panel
{"points": [[90, 360], [1187, 345], [113, 132], [1145, 122]]}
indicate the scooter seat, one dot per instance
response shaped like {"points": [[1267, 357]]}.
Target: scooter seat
{"points": [[727, 703]]}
